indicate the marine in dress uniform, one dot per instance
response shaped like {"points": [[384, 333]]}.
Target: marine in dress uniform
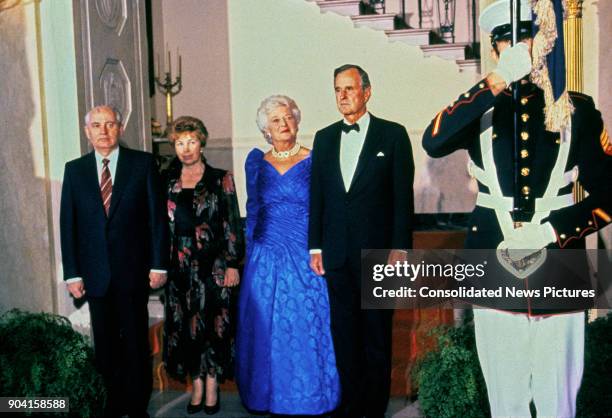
{"points": [[528, 354]]}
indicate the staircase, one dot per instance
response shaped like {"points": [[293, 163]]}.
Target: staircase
{"points": [[363, 15]]}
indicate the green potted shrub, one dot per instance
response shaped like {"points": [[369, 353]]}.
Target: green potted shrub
{"points": [[594, 399], [41, 355], [449, 378]]}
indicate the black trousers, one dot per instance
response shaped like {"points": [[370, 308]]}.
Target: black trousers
{"points": [[120, 324], [362, 342]]}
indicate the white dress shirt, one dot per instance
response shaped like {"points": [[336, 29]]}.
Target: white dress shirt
{"points": [[112, 164], [351, 144]]}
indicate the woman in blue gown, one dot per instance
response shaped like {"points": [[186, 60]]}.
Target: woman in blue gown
{"points": [[285, 357]]}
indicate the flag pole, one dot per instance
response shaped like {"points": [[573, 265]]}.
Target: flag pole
{"points": [[515, 18]]}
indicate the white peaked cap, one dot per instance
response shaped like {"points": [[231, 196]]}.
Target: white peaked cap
{"points": [[498, 14]]}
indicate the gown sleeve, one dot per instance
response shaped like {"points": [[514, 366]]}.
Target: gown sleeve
{"points": [[251, 168]]}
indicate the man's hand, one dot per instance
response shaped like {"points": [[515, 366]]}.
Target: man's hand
{"points": [[157, 280], [316, 264], [76, 289], [232, 277], [514, 63], [397, 255], [496, 83]]}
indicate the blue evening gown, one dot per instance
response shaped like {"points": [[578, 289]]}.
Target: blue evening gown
{"points": [[284, 352]]}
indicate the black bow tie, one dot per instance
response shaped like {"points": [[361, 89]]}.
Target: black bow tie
{"points": [[348, 128]]}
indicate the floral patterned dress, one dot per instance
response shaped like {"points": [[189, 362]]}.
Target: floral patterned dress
{"points": [[206, 238]]}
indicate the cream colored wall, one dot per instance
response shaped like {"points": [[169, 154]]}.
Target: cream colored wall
{"points": [[200, 30], [289, 47], [24, 233], [37, 108]]}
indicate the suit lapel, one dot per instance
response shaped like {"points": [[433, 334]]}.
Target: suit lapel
{"points": [[92, 183], [367, 151], [334, 151], [120, 180]]}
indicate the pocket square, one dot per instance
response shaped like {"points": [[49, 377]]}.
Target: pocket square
{"points": [[380, 154]]}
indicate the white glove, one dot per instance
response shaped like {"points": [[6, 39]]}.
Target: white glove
{"points": [[514, 63], [529, 238]]}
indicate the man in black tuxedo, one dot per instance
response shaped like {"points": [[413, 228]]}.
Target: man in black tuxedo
{"points": [[114, 246], [361, 198]]}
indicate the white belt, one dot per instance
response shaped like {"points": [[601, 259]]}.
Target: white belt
{"points": [[542, 204], [483, 177]]}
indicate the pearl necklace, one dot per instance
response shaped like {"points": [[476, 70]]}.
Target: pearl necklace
{"points": [[283, 155]]}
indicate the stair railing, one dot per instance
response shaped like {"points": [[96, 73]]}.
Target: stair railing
{"points": [[447, 21]]}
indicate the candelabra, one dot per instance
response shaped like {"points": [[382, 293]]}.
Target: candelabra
{"points": [[169, 87]]}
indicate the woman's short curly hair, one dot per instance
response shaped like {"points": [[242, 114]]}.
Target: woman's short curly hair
{"points": [[187, 124], [269, 104]]}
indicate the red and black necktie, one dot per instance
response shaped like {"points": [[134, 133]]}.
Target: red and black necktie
{"points": [[106, 185]]}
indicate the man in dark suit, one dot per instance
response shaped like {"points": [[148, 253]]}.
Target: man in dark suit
{"points": [[114, 236], [361, 198]]}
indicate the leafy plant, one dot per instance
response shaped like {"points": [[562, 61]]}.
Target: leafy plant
{"points": [[594, 398], [450, 381], [41, 355]]}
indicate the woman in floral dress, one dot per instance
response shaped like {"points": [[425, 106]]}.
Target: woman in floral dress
{"points": [[206, 248]]}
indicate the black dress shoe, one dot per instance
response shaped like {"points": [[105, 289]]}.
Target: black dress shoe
{"points": [[193, 409], [138, 415], [142, 414], [211, 410]]}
